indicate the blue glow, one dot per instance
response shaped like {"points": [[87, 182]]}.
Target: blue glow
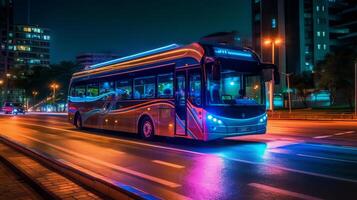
{"points": [[209, 117], [214, 119], [231, 52], [231, 83], [138, 55], [219, 122]]}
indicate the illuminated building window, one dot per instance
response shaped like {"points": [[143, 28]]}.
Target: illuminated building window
{"points": [[318, 33], [319, 46], [317, 8], [273, 23], [323, 33], [323, 8], [325, 46]]}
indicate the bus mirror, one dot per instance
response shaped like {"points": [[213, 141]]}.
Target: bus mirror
{"points": [[267, 75], [216, 72], [276, 77]]}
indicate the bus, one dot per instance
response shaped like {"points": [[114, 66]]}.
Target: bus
{"points": [[199, 91]]}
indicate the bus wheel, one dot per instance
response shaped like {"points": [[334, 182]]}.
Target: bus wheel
{"points": [[78, 121], [146, 128]]}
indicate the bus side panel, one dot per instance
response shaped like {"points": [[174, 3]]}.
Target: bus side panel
{"points": [[194, 122], [166, 121]]}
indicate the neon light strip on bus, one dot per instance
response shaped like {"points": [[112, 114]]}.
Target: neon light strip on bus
{"points": [[138, 55]]}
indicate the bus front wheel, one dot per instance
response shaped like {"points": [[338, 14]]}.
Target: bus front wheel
{"points": [[146, 128], [78, 121]]}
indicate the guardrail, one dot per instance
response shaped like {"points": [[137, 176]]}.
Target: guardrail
{"points": [[311, 116]]}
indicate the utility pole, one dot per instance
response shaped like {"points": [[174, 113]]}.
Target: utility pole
{"points": [[289, 95]]}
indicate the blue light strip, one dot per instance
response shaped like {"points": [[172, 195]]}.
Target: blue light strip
{"points": [[138, 55], [231, 52]]}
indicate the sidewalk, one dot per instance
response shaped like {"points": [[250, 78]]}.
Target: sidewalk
{"points": [[13, 187]]}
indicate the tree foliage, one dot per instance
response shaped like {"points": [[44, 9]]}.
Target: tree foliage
{"points": [[39, 78], [304, 85], [336, 74]]}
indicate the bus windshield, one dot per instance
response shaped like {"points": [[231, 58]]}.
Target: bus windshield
{"points": [[234, 88]]}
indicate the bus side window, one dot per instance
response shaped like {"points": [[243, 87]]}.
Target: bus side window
{"points": [[124, 89], [80, 91], [92, 90], [144, 87], [165, 85], [195, 88]]}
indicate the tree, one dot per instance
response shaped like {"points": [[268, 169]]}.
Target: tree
{"points": [[304, 85], [336, 74]]}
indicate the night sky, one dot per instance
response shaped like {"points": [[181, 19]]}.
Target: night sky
{"points": [[130, 26]]}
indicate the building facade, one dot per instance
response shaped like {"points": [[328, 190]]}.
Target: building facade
{"points": [[6, 28], [31, 46], [88, 59]]}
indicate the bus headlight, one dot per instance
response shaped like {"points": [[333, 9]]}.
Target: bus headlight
{"points": [[215, 120]]}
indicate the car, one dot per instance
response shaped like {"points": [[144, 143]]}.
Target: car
{"points": [[13, 108]]}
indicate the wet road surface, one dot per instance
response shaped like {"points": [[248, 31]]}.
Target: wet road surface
{"points": [[294, 160]]}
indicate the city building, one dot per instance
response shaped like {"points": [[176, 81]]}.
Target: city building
{"points": [[230, 38], [307, 31], [343, 23], [31, 46], [88, 59], [6, 27]]}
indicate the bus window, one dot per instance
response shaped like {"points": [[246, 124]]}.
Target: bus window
{"points": [[106, 87], [144, 87], [92, 90], [195, 88], [124, 88], [165, 85], [79, 91]]}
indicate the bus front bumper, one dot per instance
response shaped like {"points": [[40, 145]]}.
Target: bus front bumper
{"points": [[230, 131]]}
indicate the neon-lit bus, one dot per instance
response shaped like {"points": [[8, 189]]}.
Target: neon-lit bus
{"points": [[198, 91]]}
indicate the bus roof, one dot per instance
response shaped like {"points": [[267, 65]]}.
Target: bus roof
{"points": [[193, 52]]}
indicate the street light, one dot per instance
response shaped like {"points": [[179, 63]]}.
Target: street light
{"points": [[34, 94], [275, 41], [54, 86], [1, 82]]}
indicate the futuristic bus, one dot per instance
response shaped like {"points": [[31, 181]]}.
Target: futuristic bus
{"points": [[198, 91]]}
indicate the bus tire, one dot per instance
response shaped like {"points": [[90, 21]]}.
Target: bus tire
{"points": [[146, 128], [78, 121]]}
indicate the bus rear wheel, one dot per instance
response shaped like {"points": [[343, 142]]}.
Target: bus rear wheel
{"points": [[78, 121], [146, 128]]}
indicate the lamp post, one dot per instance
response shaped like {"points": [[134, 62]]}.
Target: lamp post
{"points": [[272, 42], [288, 82], [34, 94], [356, 87], [54, 87]]}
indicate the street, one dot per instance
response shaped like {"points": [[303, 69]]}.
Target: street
{"points": [[296, 159]]}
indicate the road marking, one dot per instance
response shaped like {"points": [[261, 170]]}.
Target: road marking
{"points": [[110, 165], [280, 143], [206, 154], [168, 164], [343, 133], [282, 191], [324, 158], [327, 136]]}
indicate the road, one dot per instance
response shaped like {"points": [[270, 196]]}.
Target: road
{"points": [[294, 160]]}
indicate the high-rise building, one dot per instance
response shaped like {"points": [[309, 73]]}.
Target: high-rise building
{"points": [[31, 46], [6, 27], [88, 59], [309, 29], [343, 23]]}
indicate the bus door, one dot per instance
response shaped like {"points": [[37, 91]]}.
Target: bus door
{"points": [[180, 103]]}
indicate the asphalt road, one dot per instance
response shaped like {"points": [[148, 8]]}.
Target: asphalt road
{"points": [[294, 160]]}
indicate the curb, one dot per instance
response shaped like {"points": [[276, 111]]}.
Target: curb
{"points": [[113, 190], [42, 191]]}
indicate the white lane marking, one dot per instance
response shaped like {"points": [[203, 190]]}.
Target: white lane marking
{"points": [[90, 172], [322, 136], [206, 154], [168, 164], [282, 191], [122, 140], [280, 143], [110, 165], [343, 133], [327, 136], [324, 158]]}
